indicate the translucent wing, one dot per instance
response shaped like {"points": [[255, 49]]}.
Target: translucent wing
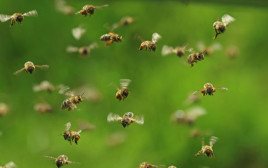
{"points": [[216, 46], [113, 117], [102, 6], [221, 88], [68, 126], [31, 13], [201, 46], [71, 49], [167, 50], [226, 19], [195, 112], [18, 71], [63, 88], [85, 125], [155, 37], [213, 140], [78, 12], [179, 114], [139, 120], [196, 92], [4, 18], [124, 82], [50, 157], [93, 45], [78, 32], [42, 66], [79, 131], [10, 165]]}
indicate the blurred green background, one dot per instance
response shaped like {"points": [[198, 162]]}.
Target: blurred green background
{"points": [[159, 85]]}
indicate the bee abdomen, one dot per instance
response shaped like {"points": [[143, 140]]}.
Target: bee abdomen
{"points": [[105, 37]]}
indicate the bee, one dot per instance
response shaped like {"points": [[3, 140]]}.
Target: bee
{"points": [[115, 139], [123, 92], [220, 26], [147, 165], [208, 50], [89, 93], [232, 52], [4, 109], [90, 9], [9, 165], [43, 108], [63, 8], [44, 86], [17, 17], [209, 89], [124, 22], [127, 119], [188, 117], [72, 101], [195, 57], [111, 38], [150, 45], [179, 51], [60, 160], [30, 67], [78, 32], [207, 150], [71, 135], [84, 50]]}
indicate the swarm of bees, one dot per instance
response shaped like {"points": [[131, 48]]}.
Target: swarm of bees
{"points": [[220, 26], [209, 89], [71, 135], [150, 45], [9, 165], [4, 109], [43, 108], [84, 51], [17, 17], [179, 50], [44, 86], [188, 117], [123, 92], [72, 101], [207, 150], [90, 9], [126, 120], [30, 67], [60, 160]]}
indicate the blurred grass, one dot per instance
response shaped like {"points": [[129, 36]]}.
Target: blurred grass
{"points": [[159, 85]]}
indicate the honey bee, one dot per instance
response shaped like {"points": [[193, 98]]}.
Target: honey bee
{"points": [[71, 135], [207, 150], [232, 52], [78, 32], [90, 9], [63, 8], [9, 165], [89, 93], [220, 26], [84, 50], [60, 160], [123, 92], [44, 86], [147, 165], [115, 139], [4, 109], [17, 17], [43, 108], [124, 22], [127, 119], [72, 101], [188, 117], [208, 50], [179, 51], [195, 57], [111, 38], [150, 45], [209, 89], [30, 67]]}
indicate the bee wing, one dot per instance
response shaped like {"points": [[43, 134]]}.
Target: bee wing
{"points": [[113, 117], [4, 18], [167, 50], [42, 66], [63, 88], [78, 12], [78, 32], [102, 6], [195, 112], [10, 165], [226, 19], [155, 37], [68, 126], [124, 82], [196, 92], [201, 46], [213, 140], [190, 50], [37, 88], [50, 157], [93, 45], [139, 120], [18, 71], [221, 88], [31, 13], [71, 49], [216, 46], [79, 131], [179, 114], [116, 25]]}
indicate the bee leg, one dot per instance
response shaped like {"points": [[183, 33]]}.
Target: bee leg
{"points": [[198, 153]]}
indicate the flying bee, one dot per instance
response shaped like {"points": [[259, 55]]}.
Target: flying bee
{"points": [[30, 67], [207, 150], [43, 108], [220, 26], [188, 117], [208, 50], [123, 92], [78, 32], [111, 38], [84, 50], [72, 101], [150, 45], [147, 165], [232, 52], [209, 89], [195, 57], [17, 17], [71, 135], [44, 86], [4, 109], [63, 8], [9, 165], [60, 160], [127, 119], [127, 20], [179, 51], [90, 9]]}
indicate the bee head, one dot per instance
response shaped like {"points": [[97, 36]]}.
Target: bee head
{"points": [[80, 98], [19, 17], [84, 51], [66, 135], [153, 47], [200, 56], [119, 38], [30, 69], [125, 93], [59, 163], [209, 152], [180, 52], [91, 10], [125, 122]]}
